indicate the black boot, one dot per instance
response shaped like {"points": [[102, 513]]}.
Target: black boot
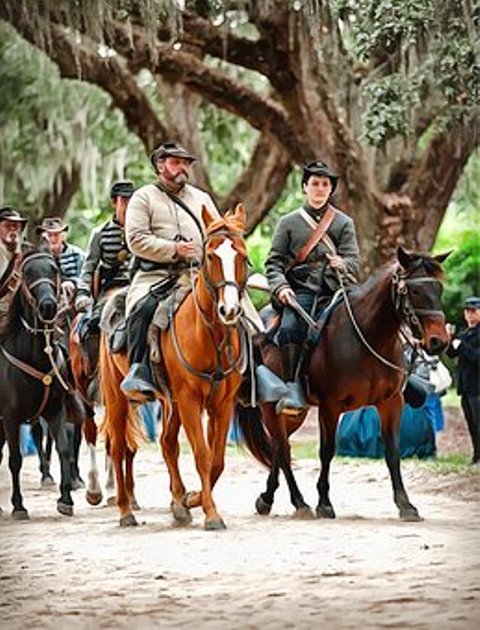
{"points": [[293, 402]]}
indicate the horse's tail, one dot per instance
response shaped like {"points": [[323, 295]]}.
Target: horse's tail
{"points": [[121, 423], [249, 426]]}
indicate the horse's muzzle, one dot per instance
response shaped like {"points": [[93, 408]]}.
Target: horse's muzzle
{"points": [[47, 310], [435, 345], [231, 316]]}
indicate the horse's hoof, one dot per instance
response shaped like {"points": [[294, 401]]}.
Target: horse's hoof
{"points": [[410, 516], [128, 521], [263, 508], [47, 481], [215, 525], [191, 499], [93, 498], [112, 501], [64, 508], [180, 513], [78, 483], [304, 513], [20, 515], [325, 511]]}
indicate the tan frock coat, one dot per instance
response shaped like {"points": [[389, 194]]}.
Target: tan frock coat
{"points": [[153, 222]]}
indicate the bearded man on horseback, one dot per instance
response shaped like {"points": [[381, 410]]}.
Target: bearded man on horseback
{"points": [[164, 230], [12, 226], [312, 246]]}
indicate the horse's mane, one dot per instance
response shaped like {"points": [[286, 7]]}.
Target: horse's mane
{"points": [[419, 259]]}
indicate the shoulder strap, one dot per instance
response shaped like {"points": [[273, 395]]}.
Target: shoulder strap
{"points": [[182, 205], [11, 276], [316, 236]]}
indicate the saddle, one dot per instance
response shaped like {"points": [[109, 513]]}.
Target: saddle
{"points": [[113, 322]]}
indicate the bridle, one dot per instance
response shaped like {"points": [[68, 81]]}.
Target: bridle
{"points": [[43, 326], [46, 324], [214, 286], [402, 299], [225, 346], [406, 311]]}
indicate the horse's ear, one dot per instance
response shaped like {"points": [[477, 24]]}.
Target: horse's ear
{"points": [[206, 216], [440, 258], [404, 257], [240, 215]]}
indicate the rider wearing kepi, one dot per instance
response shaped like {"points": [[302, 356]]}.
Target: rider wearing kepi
{"points": [[107, 258], [164, 230], [312, 247], [12, 226]]}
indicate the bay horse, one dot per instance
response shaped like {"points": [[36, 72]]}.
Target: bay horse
{"points": [[358, 361], [84, 357], [34, 373], [203, 359]]}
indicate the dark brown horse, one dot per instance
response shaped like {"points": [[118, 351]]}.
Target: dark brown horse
{"points": [[203, 360], [357, 362]]}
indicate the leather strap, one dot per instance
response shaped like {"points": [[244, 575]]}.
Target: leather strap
{"points": [[182, 205], [11, 278], [316, 236]]}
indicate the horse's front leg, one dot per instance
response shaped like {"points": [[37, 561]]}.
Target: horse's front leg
{"points": [[12, 430], [390, 413], [37, 435], [327, 420], [171, 451], [190, 415], [60, 437]]}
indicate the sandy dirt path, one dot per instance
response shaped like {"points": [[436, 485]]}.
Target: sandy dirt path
{"points": [[366, 569]]}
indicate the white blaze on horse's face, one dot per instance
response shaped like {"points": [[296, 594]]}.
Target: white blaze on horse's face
{"points": [[229, 308]]}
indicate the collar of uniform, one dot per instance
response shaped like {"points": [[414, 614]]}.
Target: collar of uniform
{"points": [[315, 213]]}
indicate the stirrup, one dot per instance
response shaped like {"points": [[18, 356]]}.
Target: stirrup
{"points": [[294, 402]]}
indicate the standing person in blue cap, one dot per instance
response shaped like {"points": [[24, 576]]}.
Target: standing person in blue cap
{"points": [[466, 346], [311, 246]]}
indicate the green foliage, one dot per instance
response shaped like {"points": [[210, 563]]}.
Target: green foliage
{"points": [[460, 232], [410, 51]]}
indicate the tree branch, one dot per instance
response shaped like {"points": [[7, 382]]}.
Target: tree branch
{"points": [[262, 182]]}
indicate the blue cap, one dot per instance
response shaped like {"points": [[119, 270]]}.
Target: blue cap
{"points": [[472, 302]]}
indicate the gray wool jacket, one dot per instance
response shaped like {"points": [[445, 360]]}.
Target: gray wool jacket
{"points": [[291, 234]]}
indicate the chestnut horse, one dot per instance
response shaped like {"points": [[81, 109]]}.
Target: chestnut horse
{"points": [[203, 359], [358, 361]]}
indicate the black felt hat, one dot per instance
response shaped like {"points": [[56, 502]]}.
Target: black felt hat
{"points": [[170, 149], [7, 213], [320, 169]]}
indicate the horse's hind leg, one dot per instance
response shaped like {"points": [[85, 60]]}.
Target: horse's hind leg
{"points": [[60, 436], [390, 412], [171, 450], [94, 490], [327, 420], [12, 430], [37, 435], [264, 501]]}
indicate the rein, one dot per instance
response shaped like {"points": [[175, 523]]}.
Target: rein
{"points": [[219, 373], [403, 307]]}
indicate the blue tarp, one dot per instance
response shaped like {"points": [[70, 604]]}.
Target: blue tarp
{"points": [[358, 434]]}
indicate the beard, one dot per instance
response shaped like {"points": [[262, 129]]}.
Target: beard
{"points": [[173, 180], [12, 242]]}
